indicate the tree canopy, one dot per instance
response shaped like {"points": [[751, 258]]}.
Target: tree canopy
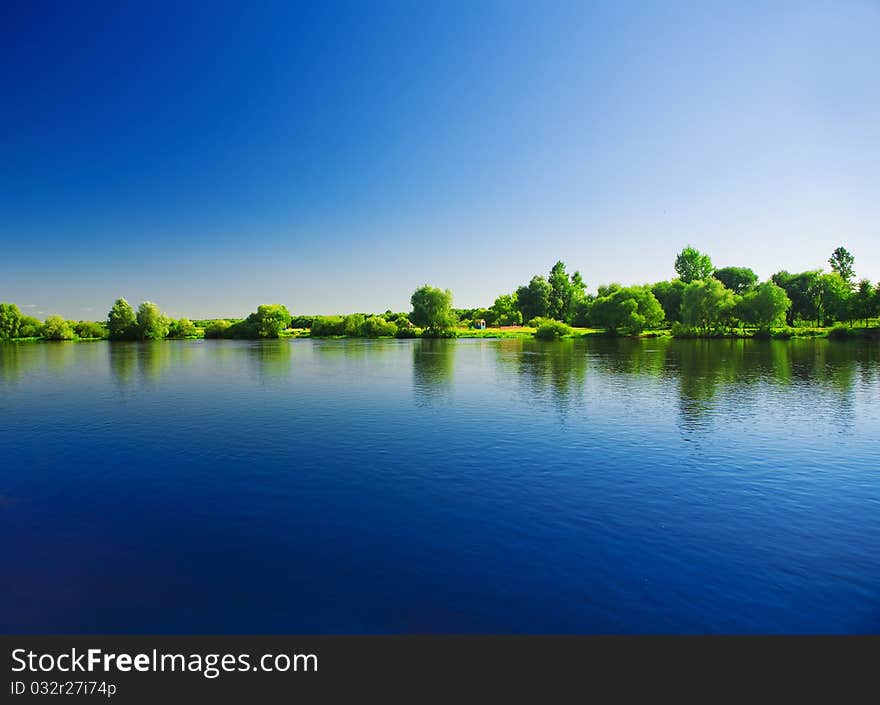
{"points": [[692, 265], [737, 279], [432, 308], [842, 262]]}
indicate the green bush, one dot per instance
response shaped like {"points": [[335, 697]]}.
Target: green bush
{"points": [[56, 328], [548, 329], [328, 325], [682, 330], [408, 332], [217, 329], [90, 329], [840, 332], [377, 327]]}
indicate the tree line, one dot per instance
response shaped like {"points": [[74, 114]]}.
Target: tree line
{"points": [[702, 300]]}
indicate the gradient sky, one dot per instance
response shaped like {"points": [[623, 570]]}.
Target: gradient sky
{"points": [[334, 156]]}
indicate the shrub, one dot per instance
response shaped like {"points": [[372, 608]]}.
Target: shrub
{"points": [[408, 332], [782, 332], [328, 325], [376, 327], [217, 329], [56, 328], [681, 330], [90, 329], [551, 330], [841, 331]]}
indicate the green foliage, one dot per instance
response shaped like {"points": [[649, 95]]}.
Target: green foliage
{"points": [[10, 321], [533, 299], [764, 306], [432, 308], [326, 326], [865, 302], [632, 308], [377, 327], [737, 279], [707, 304], [302, 321], [565, 291], [56, 328], [670, 295], [842, 262], [152, 324], [409, 331], [803, 290], [90, 329], [692, 265], [549, 329], [352, 323], [270, 319], [505, 311], [182, 328], [29, 327], [217, 329], [833, 294], [121, 321]]}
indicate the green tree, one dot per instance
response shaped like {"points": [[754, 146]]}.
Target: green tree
{"points": [[692, 265], [182, 328], [432, 308], [803, 290], [89, 329], [10, 321], [533, 299], [505, 311], [737, 279], [707, 304], [152, 324], [377, 327], [833, 294], [29, 327], [565, 292], [764, 306], [842, 262], [864, 301], [56, 328], [670, 295], [631, 308], [121, 321], [270, 320]]}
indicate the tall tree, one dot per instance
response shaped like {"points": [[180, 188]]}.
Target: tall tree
{"points": [[432, 308], [765, 305], [864, 301], [670, 294], [505, 312], [565, 292], [693, 265], [152, 324], [121, 321], [707, 303], [803, 290], [737, 279], [533, 299], [842, 262], [10, 321]]}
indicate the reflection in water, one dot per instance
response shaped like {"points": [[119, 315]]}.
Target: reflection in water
{"points": [[432, 365], [10, 363], [123, 362], [551, 372], [270, 359]]}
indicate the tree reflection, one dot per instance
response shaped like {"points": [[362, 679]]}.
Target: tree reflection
{"points": [[433, 364]]}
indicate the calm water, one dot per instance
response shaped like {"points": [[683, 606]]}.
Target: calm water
{"points": [[440, 486]]}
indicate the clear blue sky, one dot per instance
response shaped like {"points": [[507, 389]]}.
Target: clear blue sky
{"points": [[332, 157]]}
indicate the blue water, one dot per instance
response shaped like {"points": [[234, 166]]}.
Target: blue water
{"points": [[306, 486]]}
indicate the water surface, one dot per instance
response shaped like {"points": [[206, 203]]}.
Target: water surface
{"points": [[592, 486]]}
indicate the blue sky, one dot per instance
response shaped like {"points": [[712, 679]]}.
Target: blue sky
{"points": [[334, 156]]}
